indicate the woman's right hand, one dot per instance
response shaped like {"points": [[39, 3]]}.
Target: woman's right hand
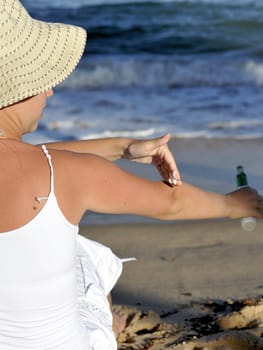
{"points": [[245, 202], [155, 151]]}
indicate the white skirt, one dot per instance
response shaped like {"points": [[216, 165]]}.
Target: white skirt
{"points": [[98, 269]]}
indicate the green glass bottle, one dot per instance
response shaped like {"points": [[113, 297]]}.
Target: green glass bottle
{"points": [[241, 177], [249, 223]]}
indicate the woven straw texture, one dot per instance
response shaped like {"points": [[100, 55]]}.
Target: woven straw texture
{"points": [[34, 55]]}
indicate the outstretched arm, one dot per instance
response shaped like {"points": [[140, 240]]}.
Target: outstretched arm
{"points": [[153, 151], [88, 182]]}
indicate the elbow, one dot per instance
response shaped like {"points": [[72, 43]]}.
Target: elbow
{"points": [[172, 210]]}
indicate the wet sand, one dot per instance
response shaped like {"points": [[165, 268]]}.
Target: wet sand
{"points": [[210, 164], [194, 285]]}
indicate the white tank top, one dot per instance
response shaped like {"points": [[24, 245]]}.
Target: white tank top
{"points": [[38, 294]]}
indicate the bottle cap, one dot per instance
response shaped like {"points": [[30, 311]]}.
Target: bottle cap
{"points": [[249, 223], [240, 168]]}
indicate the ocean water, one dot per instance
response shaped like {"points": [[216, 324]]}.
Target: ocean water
{"points": [[191, 68]]}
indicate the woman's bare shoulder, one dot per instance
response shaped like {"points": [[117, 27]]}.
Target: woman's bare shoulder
{"points": [[99, 185]]}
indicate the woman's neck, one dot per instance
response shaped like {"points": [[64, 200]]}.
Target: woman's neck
{"points": [[9, 135], [9, 127]]}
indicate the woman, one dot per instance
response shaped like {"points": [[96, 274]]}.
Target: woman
{"points": [[46, 190]]}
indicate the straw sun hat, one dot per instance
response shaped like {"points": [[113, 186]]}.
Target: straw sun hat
{"points": [[34, 55]]}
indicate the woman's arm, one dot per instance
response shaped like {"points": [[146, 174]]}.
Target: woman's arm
{"points": [[108, 148], [153, 151], [93, 183]]}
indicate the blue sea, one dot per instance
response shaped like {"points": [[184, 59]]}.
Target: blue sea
{"points": [[191, 68]]}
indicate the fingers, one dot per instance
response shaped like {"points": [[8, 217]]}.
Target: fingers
{"points": [[162, 140], [170, 173], [171, 170], [256, 202], [157, 152], [259, 205], [175, 179], [251, 202]]}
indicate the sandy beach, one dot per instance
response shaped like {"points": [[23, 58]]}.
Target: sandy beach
{"points": [[208, 163], [198, 284], [193, 286]]}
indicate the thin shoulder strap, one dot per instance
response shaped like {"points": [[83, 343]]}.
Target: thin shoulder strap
{"points": [[51, 168]]}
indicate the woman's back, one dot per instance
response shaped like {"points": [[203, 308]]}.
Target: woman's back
{"points": [[24, 175], [38, 294]]}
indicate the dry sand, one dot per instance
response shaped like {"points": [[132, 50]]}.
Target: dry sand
{"points": [[196, 285]]}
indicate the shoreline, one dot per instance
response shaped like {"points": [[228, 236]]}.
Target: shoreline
{"points": [[195, 284], [211, 163], [208, 163]]}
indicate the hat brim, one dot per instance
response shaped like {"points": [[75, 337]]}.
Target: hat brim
{"points": [[36, 56]]}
